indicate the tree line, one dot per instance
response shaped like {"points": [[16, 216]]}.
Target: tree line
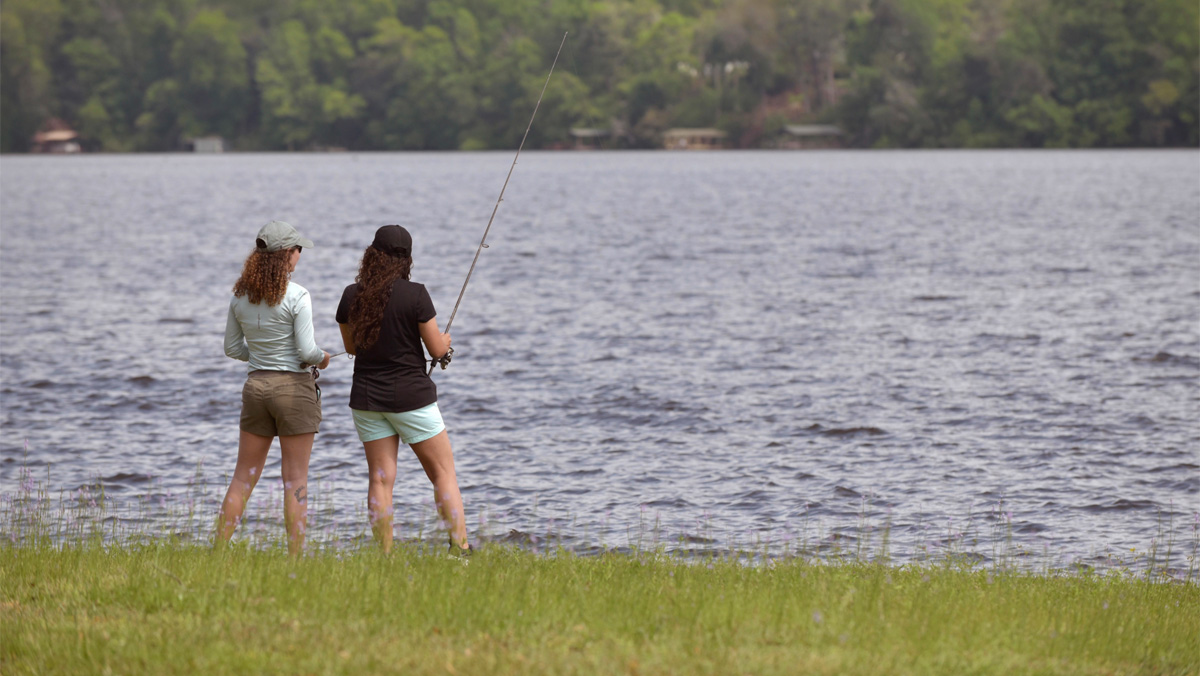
{"points": [[147, 75]]}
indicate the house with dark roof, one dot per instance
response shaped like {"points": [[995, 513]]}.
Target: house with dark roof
{"points": [[809, 136], [682, 138]]}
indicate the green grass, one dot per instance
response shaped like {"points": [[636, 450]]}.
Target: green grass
{"points": [[167, 608]]}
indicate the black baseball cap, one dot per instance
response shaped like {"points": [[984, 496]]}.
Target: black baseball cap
{"points": [[393, 240]]}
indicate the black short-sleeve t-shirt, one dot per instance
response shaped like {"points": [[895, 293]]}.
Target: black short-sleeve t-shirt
{"points": [[389, 376]]}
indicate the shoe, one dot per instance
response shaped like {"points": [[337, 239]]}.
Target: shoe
{"points": [[461, 552]]}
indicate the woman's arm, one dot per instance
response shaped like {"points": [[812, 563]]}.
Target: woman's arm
{"points": [[348, 338], [235, 340], [302, 326], [436, 342]]}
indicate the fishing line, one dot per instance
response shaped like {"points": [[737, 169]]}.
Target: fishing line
{"points": [[444, 360], [316, 371]]}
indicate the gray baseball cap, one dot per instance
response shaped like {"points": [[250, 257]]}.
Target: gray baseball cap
{"points": [[278, 235]]}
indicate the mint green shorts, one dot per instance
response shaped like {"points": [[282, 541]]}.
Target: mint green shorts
{"points": [[412, 426]]}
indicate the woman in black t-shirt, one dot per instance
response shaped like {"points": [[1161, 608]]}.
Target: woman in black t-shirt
{"points": [[384, 319]]}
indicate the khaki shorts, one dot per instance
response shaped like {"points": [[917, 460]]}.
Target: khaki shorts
{"points": [[280, 403]]}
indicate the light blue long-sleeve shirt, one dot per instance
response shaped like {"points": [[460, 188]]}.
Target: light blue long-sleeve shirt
{"points": [[278, 338]]}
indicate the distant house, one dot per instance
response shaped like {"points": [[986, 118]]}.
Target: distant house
{"points": [[810, 136], [693, 139], [589, 138], [207, 144], [56, 137]]}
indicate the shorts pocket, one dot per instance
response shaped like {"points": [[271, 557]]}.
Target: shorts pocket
{"points": [[299, 396], [299, 406]]}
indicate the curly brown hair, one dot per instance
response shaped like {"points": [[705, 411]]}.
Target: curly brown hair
{"points": [[377, 273], [264, 276]]}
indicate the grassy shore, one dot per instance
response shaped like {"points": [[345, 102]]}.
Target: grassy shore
{"points": [[167, 609]]}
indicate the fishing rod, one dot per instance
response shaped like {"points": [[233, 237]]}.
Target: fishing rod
{"points": [[444, 360], [315, 369]]}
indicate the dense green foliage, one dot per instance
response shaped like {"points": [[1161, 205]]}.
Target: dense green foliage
{"points": [[446, 74], [167, 609]]}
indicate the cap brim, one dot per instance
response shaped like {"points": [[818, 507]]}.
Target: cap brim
{"points": [[306, 243]]}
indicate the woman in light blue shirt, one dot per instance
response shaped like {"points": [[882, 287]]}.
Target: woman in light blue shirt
{"points": [[270, 326]]}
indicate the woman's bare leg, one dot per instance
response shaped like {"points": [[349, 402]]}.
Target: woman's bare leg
{"points": [[252, 455], [381, 465], [437, 458], [296, 450]]}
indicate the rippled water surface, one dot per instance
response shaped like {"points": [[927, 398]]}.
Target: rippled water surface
{"points": [[742, 347]]}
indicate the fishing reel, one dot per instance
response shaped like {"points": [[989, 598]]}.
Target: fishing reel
{"points": [[444, 360]]}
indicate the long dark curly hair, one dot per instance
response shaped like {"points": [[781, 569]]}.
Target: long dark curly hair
{"points": [[376, 274], [264, 276]]}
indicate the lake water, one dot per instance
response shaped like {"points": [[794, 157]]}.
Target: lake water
{"points": [[748, 349]]}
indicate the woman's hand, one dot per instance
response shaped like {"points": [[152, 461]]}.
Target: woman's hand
{"points": [[324, 362], [436, 342]]}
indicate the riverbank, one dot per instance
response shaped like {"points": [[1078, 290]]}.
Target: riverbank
{"points": [[168, 609]]}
